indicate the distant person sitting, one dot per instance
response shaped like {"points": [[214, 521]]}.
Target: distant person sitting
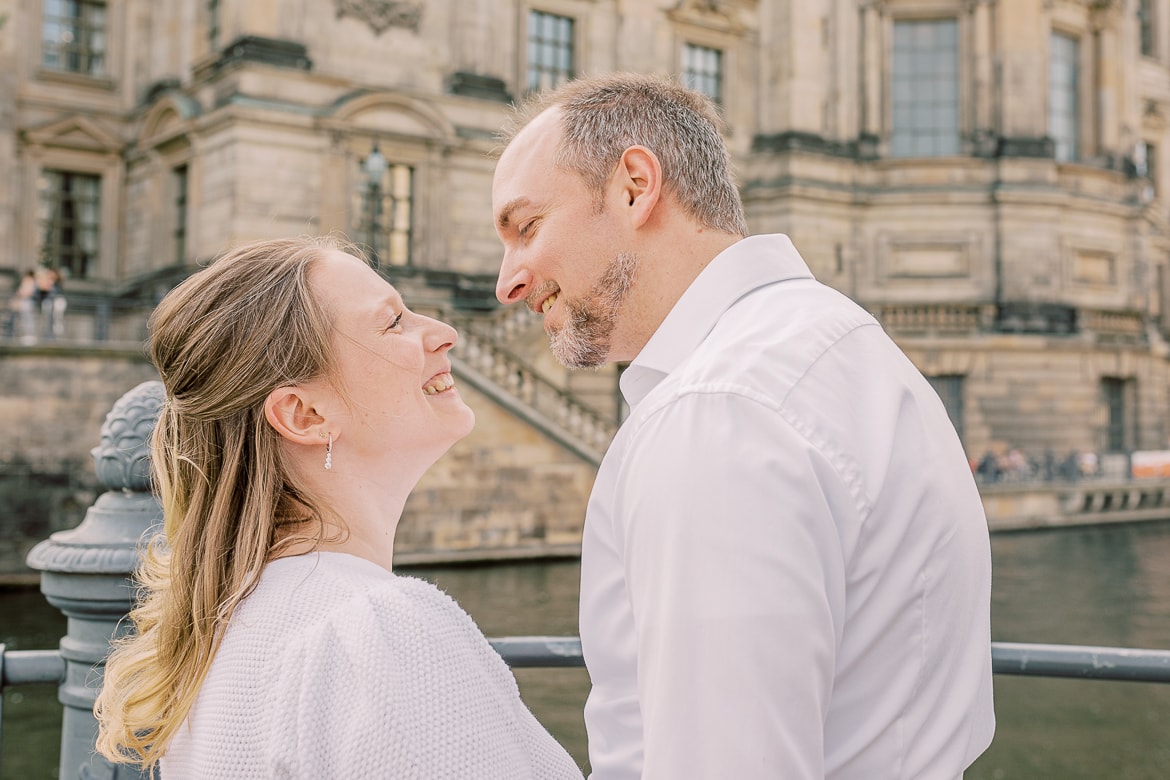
{"points": [[303, 403]]}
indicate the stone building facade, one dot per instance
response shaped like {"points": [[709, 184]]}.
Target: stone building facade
{"points": [[983, 175]]}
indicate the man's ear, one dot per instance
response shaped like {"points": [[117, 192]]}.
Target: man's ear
{"points": [[639, 179], [291, 412]]}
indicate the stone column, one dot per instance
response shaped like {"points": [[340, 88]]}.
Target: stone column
{"points": [[872, 57], [984, 92], [1110, 132], [85, 571], [1023, 34]]}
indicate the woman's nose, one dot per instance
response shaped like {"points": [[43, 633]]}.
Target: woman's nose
{"points": [[440, 335]]}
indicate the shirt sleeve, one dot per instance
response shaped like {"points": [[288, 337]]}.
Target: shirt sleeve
{"points": [[736, 583]]}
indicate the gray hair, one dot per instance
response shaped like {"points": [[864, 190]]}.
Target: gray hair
{"points": [[601, 117]]}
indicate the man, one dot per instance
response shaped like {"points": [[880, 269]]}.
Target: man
{"points": [[785, 570]]}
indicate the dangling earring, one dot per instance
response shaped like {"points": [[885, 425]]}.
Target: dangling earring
{"points": [[329, 453]]}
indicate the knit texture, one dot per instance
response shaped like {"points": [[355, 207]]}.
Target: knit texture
{"points": [[336, 668]]}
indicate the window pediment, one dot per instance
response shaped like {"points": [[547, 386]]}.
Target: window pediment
{"points": [[166, 118], [721, 15], [75, 132], [386, 112]]}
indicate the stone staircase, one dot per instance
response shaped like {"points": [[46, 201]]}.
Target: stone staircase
{"points": [[485, 359]]}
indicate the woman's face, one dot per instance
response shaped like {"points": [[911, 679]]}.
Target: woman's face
{"points": [[397, 390]]}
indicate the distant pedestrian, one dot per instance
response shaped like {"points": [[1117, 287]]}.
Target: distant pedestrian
{"points": [[49, 299], [988, 470], [1089, 465], [21, 323]]}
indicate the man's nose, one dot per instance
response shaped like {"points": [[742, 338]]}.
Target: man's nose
{"points": [[513, 283]]}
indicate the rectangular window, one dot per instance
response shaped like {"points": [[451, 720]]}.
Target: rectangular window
{"points": [[1119, 396], [703, 70], [180, 184], [925, 73], [550, 50], [385, 214], [1146, 28], [1063, 103], [73, 36], [70, 221], [950, 389]]}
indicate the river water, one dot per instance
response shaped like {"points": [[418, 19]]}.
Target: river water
{"points": [[1093, 586]]}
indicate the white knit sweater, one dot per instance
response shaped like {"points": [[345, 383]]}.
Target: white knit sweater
{"points": [[336, 668]]}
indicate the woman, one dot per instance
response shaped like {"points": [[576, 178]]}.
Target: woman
{"points": [[304, 402]]}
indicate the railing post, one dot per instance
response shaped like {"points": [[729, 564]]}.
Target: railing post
{"points": [[85, 571]]}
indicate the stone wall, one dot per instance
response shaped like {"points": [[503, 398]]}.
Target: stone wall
{"points": [[504, 491], [53, 400], [1041, 393]]}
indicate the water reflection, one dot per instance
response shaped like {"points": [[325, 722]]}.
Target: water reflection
{"points": [[32, 714], [1090, 586], [1097, 586]]}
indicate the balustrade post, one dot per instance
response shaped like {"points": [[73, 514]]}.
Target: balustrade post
{"points": [[86, 572]]}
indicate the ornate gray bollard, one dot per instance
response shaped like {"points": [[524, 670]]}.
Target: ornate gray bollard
{"points": [[85, 572]]}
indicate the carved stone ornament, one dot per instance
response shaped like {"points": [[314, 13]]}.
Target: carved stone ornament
{"points": [[381, 15], [122, 460]]}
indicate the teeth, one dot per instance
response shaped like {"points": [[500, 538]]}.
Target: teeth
{"points": [[439, 384], [548, 302]]}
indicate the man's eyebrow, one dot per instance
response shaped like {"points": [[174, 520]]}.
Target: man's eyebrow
{"points": [[504, 218]]}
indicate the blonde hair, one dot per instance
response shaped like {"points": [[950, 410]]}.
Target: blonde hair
{"points": [[601, 117], [221, 341]]}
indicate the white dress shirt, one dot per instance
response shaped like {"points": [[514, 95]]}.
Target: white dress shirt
{"points": [[786, 570]]}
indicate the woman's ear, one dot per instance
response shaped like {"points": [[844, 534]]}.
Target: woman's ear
{"points": [[291, 412]]}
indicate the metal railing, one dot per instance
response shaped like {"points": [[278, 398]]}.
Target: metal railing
{"points": [[26, 667], [1010, 658]]}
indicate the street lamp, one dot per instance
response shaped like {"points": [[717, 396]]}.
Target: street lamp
{"points": [[374, 166]]}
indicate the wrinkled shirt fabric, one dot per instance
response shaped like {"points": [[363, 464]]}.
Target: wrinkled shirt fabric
{"points": [[786, 568]]}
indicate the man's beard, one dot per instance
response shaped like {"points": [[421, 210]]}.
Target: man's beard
{"points": [[584, 340]]}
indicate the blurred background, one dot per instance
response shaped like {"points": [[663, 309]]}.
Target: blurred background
{"points": [[984, 176]]}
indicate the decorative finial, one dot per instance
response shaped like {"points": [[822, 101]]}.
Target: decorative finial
{"points": [[122, 460]]}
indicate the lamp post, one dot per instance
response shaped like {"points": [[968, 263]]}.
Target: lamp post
{"points": [[374, 166]]}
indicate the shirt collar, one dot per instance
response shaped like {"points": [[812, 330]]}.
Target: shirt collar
{"points": [[744, 266]]}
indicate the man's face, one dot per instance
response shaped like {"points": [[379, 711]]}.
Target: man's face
{"points": [[563, 254]]}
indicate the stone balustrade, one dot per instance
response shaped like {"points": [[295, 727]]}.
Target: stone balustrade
{"points": [[548, 404]]}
